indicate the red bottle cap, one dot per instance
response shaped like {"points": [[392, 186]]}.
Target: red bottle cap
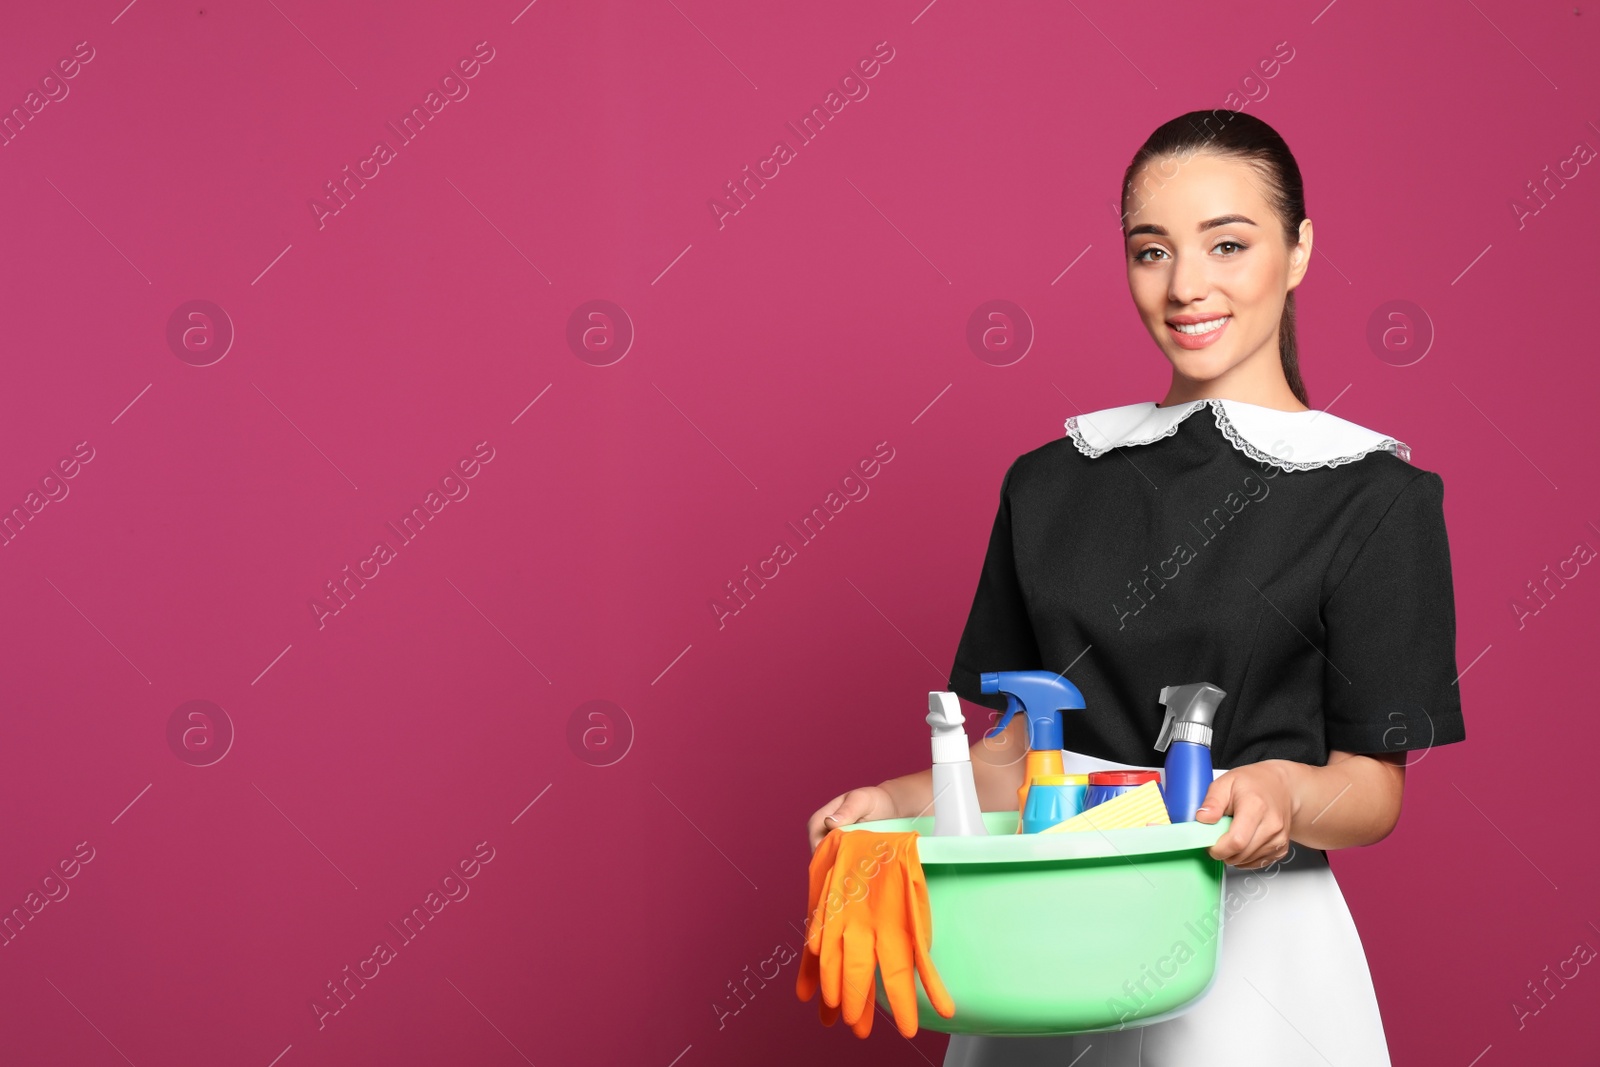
{"points": [[1123, 777]]}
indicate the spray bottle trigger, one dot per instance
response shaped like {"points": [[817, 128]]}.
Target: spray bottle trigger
{"points": [[1013, 705], [1164, 738]]}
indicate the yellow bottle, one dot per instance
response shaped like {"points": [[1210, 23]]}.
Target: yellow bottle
{"points": [[1040, 762]]}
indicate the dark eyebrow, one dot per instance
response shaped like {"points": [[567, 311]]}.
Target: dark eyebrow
{"points": [[1208, 224]]}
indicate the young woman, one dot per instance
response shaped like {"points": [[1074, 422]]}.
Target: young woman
{"points": [[1229, 534]]}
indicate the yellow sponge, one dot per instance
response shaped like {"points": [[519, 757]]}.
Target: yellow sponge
{"points": [[1141, 806]]}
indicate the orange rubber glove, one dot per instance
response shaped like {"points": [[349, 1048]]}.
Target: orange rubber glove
{"points": [[867, 910]]}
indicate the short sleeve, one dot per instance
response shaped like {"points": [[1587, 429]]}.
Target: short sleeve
{"points": [[1390, 679], [998, 634]]}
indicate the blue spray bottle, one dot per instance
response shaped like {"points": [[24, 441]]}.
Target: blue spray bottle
{"points": [[1042, 696], [1186, 739]]}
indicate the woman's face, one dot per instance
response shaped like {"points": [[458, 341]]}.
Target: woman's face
{"points": [[1204, 248]]}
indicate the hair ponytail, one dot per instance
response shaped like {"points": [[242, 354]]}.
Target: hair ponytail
{"points": [[1289, 351]]}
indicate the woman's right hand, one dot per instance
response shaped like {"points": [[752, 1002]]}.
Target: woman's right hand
{"points": [[859, 805]]}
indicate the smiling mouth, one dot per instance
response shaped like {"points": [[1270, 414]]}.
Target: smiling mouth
{"points": [[1200, 328]]}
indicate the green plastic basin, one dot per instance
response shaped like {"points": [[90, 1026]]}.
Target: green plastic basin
{"points": [[1068, 933]]}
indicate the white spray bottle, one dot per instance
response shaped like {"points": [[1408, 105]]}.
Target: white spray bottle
{"points": [[955, 793]]}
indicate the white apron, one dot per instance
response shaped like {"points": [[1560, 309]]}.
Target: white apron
{"points": [[1292, 986]]}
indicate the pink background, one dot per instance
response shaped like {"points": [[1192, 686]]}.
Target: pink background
{"points": [[444, 705]]}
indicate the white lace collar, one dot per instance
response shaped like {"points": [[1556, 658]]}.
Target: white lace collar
{"points": [[1291, 440]]}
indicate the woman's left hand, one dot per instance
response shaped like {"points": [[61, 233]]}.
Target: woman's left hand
{"points": [[1261, 798]]}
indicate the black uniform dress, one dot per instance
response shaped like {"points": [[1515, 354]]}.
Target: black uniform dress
{"points": [[1294, 559]]}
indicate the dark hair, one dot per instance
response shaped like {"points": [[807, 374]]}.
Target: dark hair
{"points": [[1236, 135]]}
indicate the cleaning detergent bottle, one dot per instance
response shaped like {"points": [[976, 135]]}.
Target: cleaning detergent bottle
{"points": [[1042, 696], [955, 794], [1186, 739]]}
